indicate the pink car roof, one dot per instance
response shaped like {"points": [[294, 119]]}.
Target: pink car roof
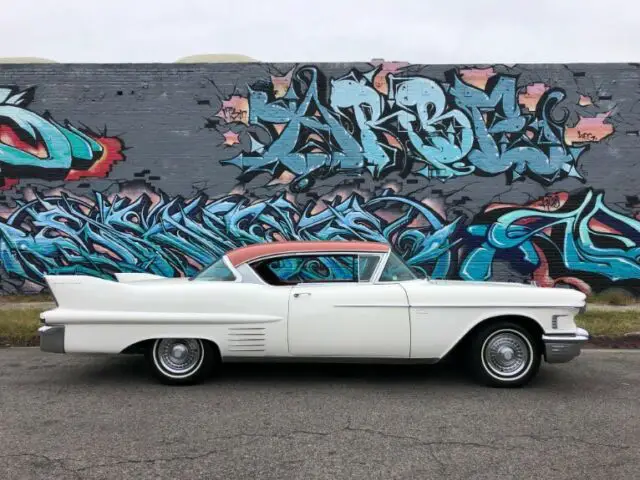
{"points": [[252, 252]]}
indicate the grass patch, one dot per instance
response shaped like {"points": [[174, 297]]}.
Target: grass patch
{"points": [[20, 326], [613, 297], [609, 323], [36, 297]]}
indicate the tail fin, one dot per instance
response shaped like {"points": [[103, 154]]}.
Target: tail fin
{"points": [[82, 291], [136, 277]]}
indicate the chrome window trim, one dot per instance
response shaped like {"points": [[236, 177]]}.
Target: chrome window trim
{"points": [[232, 268]]}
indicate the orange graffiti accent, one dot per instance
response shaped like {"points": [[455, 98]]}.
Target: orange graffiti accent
{"points": [[478, 77], [235, 109], [529, 99], [549, 203], [380, 82], [9, 183], [231, 138], [585, 101], [111, 153], [589, 129], [281, 84], [9, 137]]}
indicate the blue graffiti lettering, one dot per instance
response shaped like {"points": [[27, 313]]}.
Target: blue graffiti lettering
{"points": [[443, 130], [176, 237]]}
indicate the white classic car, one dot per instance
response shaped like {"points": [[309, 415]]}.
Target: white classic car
{"points": [[321, 301]]}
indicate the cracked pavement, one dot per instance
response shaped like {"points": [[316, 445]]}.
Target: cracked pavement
{"points": [[95, 417]]}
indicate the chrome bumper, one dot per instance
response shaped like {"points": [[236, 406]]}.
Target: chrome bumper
{"points": [[562, 348], [52, 338]]}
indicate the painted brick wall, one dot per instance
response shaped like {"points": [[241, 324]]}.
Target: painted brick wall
{"points": [[519, 173]]}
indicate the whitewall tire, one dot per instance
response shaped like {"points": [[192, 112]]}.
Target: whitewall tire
{"points": [[181, 361], [504, 354]]}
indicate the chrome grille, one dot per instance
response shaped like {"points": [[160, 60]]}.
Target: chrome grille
{"points": [[247, 339]]}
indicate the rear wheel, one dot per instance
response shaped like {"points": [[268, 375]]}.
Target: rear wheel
{"points": [[504, 354], [181, 361]]}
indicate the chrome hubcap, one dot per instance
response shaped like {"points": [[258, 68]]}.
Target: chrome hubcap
{"points": [[506, 354], [179, 356]]}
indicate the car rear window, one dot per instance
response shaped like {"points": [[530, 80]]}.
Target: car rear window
{"points": [[295, 269]]}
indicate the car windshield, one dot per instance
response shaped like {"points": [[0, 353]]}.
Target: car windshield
{"points": [[396, 270], [217, 272]]}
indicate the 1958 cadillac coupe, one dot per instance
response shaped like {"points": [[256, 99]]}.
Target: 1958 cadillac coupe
{"points": [[320, 301]]}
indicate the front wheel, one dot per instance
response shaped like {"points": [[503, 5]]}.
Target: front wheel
{"points": [[181, 361], [504, 354]]}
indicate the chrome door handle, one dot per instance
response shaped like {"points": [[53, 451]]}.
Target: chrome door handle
{"points": [[299, 294]]}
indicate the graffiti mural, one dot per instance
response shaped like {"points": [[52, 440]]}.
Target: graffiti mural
{"points": [[562, 239], [500, 172], [317, 128], [177, 237], [571, 239], [36, 146]]}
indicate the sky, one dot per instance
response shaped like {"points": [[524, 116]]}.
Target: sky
{"points": [[417, 31]]}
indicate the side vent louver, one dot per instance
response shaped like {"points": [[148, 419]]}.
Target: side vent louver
{"points": [[247, 339]]}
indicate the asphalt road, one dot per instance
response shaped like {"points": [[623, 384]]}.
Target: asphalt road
{"points": [[105, 417]]}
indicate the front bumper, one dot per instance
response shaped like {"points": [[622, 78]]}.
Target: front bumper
{"points": [[52, 338], [562, 348]]}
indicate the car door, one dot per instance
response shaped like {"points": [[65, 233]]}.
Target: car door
{"points": [[349, 320], [335, 311]]}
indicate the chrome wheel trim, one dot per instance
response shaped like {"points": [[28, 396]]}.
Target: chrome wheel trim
{"points": [[178, 357], [507, 355]]}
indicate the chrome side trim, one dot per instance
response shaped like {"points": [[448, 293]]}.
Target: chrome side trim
{"points": [[331, 359], [370, 305], [500, 305], [563, 348], [52, 338]]}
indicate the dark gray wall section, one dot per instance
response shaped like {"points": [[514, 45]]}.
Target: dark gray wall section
{"points": [[161, 113]]}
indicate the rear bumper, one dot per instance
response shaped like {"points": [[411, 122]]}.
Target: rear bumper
{"points": [[52, 338], [562, 348]]}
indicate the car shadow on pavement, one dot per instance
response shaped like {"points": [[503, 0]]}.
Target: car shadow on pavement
{"points": [[132, 369]]}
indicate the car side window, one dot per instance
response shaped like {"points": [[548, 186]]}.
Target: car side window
{"points": [[396, 270], [217, 272], [296, 269], [367, 266]]}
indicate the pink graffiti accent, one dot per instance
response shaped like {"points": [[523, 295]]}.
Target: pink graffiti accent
{"points": [[235, 109], [598, 226], [393, 141], [585, 101], [529, 99], [380, 80], [478, 77], [281, 84], [231, 138], [284, 179], [548, 203], [542, 277], [589, 129]]}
